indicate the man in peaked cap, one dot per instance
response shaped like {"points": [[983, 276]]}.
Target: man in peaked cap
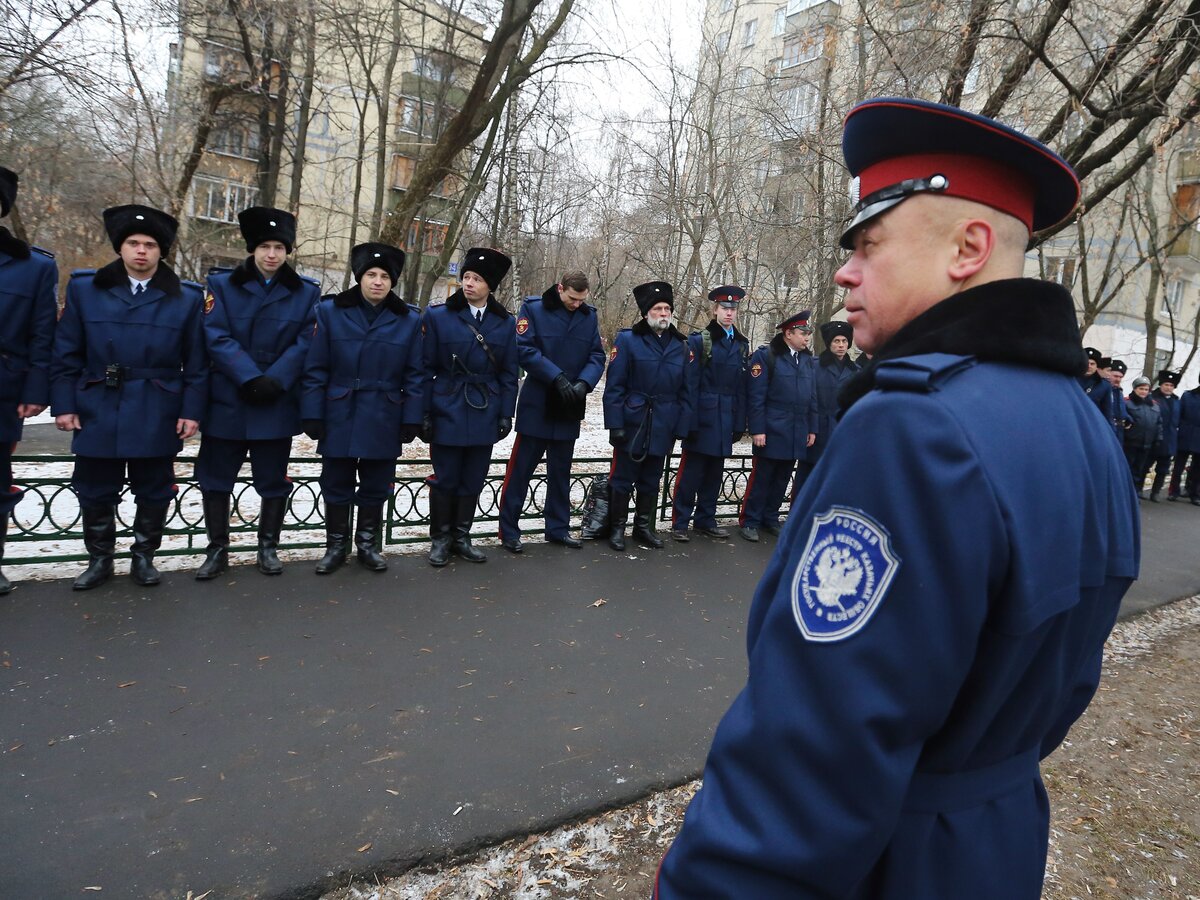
{"points": [[470, 350], [647, 407], [363, 399], [258, 319], [1168, 407], [919, 640], [718, 415], [558, 343], [130, 378], [28, 282], [782, 402]]}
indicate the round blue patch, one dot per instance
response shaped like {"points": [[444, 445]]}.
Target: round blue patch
{"points": [[844, 573]]}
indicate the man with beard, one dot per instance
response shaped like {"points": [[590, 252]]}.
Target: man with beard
{"points": [[258, 319], [28, 284], [130, 379], [718, 416], [470, 350], [926, 630], [647, 407], [558, 344]]}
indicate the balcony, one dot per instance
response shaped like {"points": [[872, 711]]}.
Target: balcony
{"points": [[1184, 251], [1188, 167]]}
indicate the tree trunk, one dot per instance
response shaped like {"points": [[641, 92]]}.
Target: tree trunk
{"points": [[306, 88]]}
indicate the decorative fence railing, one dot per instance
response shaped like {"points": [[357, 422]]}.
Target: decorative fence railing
{"points": [[46, 524]]}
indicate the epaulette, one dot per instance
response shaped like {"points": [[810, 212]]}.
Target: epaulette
{"points": [[195, 284], [220, 270], [314, 282], [79, 273], [329, 296], [41, 250], [921, 374]]}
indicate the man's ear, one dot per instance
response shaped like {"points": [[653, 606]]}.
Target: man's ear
{"points": [[974, 241]]}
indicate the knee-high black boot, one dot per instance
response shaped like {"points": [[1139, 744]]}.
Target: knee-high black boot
{"points": [[270, 523], [216, 524], [464, 519], [643, 521], [618, 519], [441, 511], [5, 586], [148, 524], [369, 536], [100, 539], [337, 537]]}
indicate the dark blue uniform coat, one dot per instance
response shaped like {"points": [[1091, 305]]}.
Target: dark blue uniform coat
{"points": [[28, 309], [1168, 408], [552, 341], [832, 374], [645, 372], [255, 330], [924, 633], [783, 402], [1120, 415], [364, 380], [1189, 421], [719, 389], [469, 396], [1097, 387], [158, 340]]}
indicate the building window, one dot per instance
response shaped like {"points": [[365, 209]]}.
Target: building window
{"points": [[722, 41], [796, 6], [433, 68], [743, 77], [1061, 270], [801, 105], [235, 139], [1173, 298], [726, 5], [220, 200], [802, 48], [749, 32], [780, 21], [433, 237]]}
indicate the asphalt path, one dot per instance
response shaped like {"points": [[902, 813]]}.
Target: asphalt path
{"points": [[265, 737]]}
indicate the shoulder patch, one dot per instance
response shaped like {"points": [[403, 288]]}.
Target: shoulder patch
{"points": [[845, 571], [209, 302], [612, 353], [691, 355], [522, 325], [41, 250], [756, 370]]}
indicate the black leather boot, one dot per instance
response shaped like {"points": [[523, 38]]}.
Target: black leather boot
{"points": [[618, 519], [216, 523], [441, 510], [5, 585], [100, 539], [369, 536], [337, 537], [148, 523], [643, 521], [464, 518], [270, 523]]}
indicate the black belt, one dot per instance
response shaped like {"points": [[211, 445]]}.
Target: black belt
{"points": [[359, 384], [135, 373]]}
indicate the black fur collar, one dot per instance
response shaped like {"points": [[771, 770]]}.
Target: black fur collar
{"points": [[779, 346], [114, 275], [1017, 320], [827, 359], [718, 333], [352, 297], [247, 272], [13, 245], [643, 328], [458, 302]]}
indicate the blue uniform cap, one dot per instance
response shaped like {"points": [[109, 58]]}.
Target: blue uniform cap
{"points": [[896, 147], [727, 296], [799, 319]]}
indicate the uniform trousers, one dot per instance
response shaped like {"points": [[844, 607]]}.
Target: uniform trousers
{"points": [[765, 491], [9, 496], [97, 481], [1139, 459], [626, 474], [220, 460], [1193, 475], [460, 471], [1162, 468], [697, 486], [527, 452], [374, 478], [803, 470]]}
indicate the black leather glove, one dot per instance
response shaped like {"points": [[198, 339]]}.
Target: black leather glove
{"points": [[616, 436], [261, 390], [692, 437], [562, 384], [314, 428], [409, 433], [503, 429], [580, 389], [426, 432]]}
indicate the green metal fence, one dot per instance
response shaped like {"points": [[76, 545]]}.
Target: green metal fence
{"points": [[48, 515]]}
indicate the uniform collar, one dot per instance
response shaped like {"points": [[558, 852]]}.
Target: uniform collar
{"points": [[1017, 320], [247, 271], [458, 302], [643, 328], [114, 275], [352, 296], [718, 333], [552, 301], [13, 245]]}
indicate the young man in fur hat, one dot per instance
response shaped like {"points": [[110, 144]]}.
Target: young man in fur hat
{"points": [[258, 319], [1187, 456], [130, 379], [647, 407], [363, 400], [718, 415], [1168, 407], [28, 284], [1095, 383], [782, 400], [835, 368], [929, 626], [470, 350]]}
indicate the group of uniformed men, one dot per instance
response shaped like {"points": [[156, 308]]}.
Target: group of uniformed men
{"points": [[140, 361], [1157, 428]]}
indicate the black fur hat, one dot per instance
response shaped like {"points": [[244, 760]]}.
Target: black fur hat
{"points": [[262, 223], [374, 255], [652, 292], [8, 190], [122, 221], [490, 265], [830, 330], [1167, 376]]}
